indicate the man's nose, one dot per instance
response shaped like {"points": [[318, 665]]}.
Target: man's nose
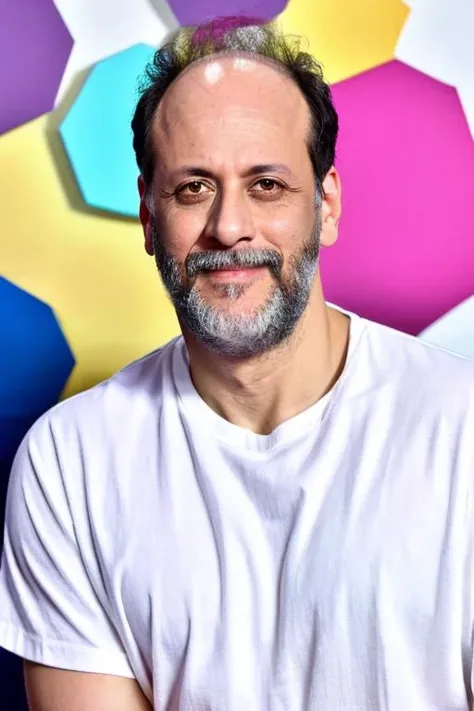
{"points": [[231, 219]]}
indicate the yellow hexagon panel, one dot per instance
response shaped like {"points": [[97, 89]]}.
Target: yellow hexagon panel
{"points": [[91, 269], [347, 36]]}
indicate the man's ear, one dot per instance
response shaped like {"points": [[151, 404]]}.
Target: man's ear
{"points": [[145, 215], [331, 207]]}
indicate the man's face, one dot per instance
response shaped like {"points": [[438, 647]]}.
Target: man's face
{"points": [[236, 222]]}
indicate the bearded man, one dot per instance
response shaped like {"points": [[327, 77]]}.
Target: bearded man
{"points": [[274, 511]]}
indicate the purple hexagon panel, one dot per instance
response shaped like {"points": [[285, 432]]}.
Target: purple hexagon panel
{"points": [[34, 48], [195, 13], [405, 254]]}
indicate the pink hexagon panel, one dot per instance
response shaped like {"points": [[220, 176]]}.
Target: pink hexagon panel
{"points": [[34, 49], [195, 13], [405, 255]]}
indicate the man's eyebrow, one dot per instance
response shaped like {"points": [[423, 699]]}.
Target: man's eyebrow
{"points": [[188, 171], [268, 168], [261, 169]]}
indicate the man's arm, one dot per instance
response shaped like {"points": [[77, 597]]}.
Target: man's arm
{"points": [[52, 689], [54, 610]]}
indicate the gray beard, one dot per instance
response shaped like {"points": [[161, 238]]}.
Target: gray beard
{"points": [[242, 335]]}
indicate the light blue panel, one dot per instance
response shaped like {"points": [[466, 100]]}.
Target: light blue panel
{"points": [[455, 330], [97, 135]]}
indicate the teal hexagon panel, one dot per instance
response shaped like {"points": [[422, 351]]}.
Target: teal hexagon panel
{"points": [[97, 135]]}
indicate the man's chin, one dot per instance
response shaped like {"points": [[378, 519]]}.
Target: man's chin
{"points": [[238, 309], [233, 297]]}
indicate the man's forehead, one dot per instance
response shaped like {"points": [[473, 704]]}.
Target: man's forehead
{"points": [[237, 60], [232, 78]]}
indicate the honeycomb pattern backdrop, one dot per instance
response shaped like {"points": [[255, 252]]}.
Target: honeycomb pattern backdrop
{"points": [[78, 296]]}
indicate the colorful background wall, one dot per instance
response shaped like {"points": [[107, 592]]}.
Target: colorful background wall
{"points": [[78, 296]]}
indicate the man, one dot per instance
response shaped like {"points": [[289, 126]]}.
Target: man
{"points": [[274, 511]]}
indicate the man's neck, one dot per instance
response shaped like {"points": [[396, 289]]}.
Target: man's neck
{"points": [[262, 393]]}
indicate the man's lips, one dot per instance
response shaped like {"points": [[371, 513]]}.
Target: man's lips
{"points": [[240, 273]]}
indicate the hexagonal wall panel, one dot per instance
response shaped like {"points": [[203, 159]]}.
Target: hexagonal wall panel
{"points": [[35, 363], [347, 36], [92, 269], [195, 13], [455, 330], [34, 49], [97, 136], [405, 255], [101, 28], [438, 40]]}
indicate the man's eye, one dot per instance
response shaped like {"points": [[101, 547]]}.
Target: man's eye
{"points": [[267, 184], [267, 187], [193, 191], [194, 187]]}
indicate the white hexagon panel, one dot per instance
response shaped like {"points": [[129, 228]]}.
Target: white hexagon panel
{"points": [[455, 330], [438, 39], [102, 28]]}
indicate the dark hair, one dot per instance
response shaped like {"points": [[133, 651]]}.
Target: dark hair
{"points": [[247, 36]]}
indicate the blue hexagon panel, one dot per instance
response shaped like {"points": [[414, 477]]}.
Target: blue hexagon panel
{"points": [[97, 135], [35, 364], [34, 48]]}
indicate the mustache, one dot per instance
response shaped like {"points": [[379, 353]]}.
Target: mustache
{"points": [[211, 260]]}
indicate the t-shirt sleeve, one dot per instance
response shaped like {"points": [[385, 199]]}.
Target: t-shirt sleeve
{"points": [[50, 612]]}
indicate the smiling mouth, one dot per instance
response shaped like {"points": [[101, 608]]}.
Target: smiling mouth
{"points": [[234, 272]]}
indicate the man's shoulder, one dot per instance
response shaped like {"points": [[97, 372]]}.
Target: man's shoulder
{"points": [[422, 371], [119, 398]]}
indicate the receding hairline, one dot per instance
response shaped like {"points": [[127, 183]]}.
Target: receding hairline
{"points": [[276, 64], [283, 62], [280, 68]]}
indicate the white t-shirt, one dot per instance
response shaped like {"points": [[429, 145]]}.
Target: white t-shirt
{"points": [[326, 566]]}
